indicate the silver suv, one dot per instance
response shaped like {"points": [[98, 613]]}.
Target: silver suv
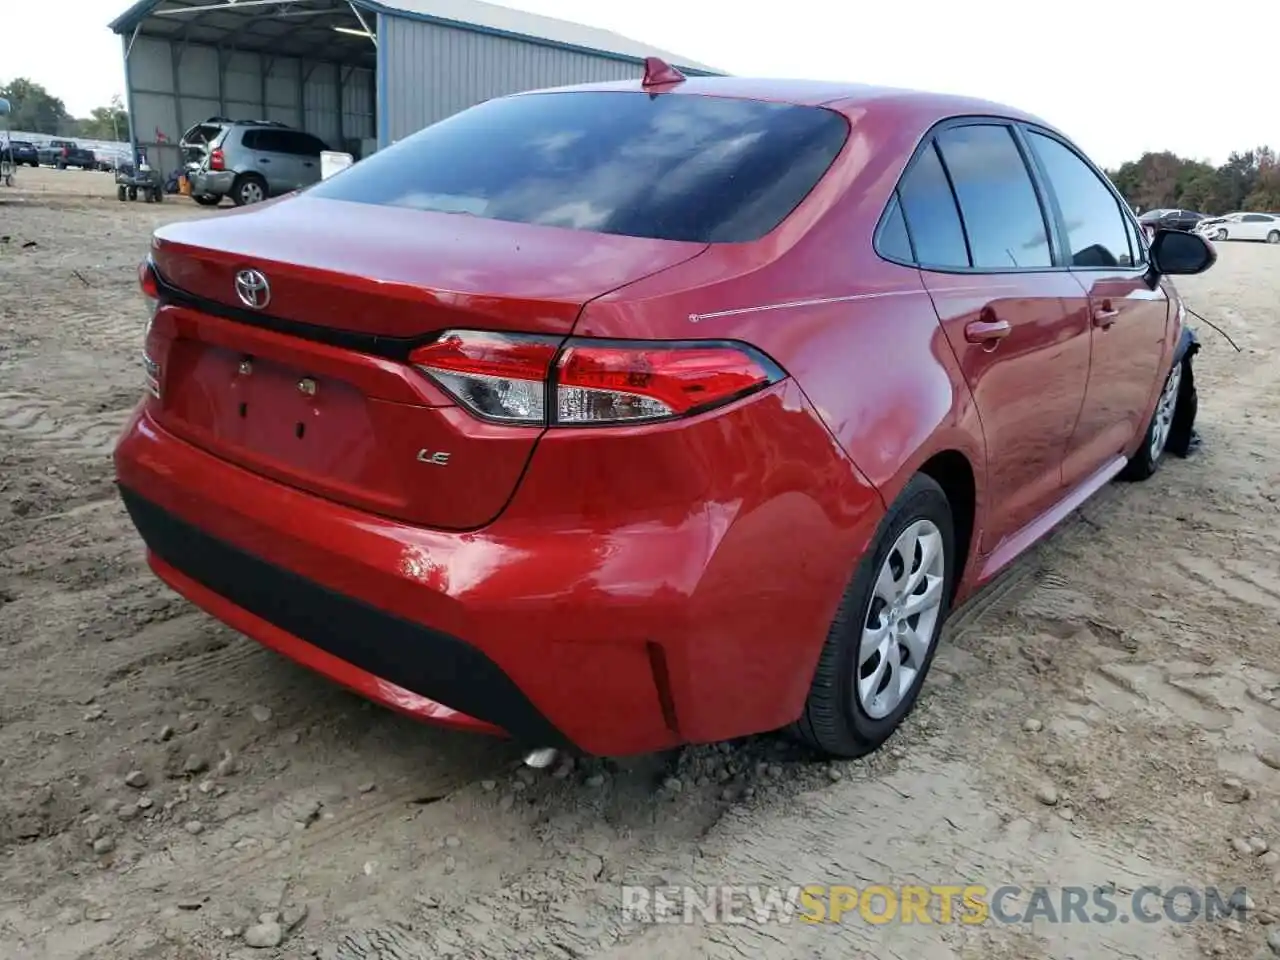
{"points": [[248, 160]]}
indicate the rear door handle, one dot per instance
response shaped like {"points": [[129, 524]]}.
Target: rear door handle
{"points": [[1105, 316], [263, 160], [987, 331]]}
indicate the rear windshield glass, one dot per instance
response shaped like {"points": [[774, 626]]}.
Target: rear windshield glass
{"points": [[674, 167]]}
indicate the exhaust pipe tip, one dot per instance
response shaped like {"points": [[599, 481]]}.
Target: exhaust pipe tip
{"points": [[541, 758]]}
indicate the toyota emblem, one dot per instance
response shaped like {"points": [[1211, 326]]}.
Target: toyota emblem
{"points": [[252, 289]]}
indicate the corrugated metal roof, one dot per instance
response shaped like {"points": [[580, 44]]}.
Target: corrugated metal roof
{"points": [[479, 15], [494, 18]]}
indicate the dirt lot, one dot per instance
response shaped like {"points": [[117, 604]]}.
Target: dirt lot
{"points": [[164, 782]]}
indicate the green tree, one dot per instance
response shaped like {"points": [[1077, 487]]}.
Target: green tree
{"points": [[34, 109], [1247, 181], [1265, 194], [106, 123]]}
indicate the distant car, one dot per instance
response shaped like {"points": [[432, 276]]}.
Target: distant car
{"points": [[1242, 226], [21, 152], [626, 416], [1184, 220], [249, 160]]}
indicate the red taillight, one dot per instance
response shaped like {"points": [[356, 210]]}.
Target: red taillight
{"points": [[150, 285], [217, 160], [498, 376], [147, 280], [522, 379], [649, 381]]}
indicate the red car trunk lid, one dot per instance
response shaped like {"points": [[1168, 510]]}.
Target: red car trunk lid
{"points": [[344, 423], [400, 272]]}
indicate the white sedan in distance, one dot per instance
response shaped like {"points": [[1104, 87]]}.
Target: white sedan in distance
{"points": [[1242, 226]]}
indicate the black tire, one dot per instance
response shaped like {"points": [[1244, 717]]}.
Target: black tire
{"points": [[206, 200], [1273, 236], [834, 721], [1146, 461], [122, 193], [133, 193], [1220, 235], [242, 191], [1182, 435]]}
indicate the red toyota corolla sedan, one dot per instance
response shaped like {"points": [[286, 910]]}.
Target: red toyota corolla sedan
{"points": [[624, 416]]}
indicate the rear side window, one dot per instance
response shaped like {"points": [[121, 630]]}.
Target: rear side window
{"points": [[931, 214], [1096, 231], [893, 241], [669, 167], [998, 203]]}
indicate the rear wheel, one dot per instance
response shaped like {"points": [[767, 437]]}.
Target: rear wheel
{"points": [[249, 188], [881, 644], [206, 200], [1273, 236], [1147, 459]]}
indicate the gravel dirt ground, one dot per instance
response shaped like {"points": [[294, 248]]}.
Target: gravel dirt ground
{"points": [[1107, 715]]}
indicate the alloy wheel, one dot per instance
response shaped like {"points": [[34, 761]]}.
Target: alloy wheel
{"points": [[1163, 423], [251, 192], [901, 619]]}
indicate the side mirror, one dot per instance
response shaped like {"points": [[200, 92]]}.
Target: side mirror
{"points": [[1174, 253]]}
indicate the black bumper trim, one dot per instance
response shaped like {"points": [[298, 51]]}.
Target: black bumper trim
{"points": [[425, 661]]}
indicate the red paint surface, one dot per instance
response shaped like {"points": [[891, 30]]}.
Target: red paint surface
{"points": [[567, 555]]}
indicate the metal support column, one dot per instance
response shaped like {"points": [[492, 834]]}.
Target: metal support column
{"points": [[126, 43]]}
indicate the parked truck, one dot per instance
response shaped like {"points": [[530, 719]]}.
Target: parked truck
{"points": [[66, 153]]}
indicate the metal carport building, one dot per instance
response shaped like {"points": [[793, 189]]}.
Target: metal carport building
{"points": [[359, 74]]}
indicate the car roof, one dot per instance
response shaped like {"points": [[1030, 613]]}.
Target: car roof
{"points": [[842, 96]]}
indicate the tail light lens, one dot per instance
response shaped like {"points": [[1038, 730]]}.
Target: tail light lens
{"points": [[150, 285], [535, 380], [217, 160], [498, 377]]}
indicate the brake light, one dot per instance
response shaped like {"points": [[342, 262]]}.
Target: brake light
{"points": [[217, 160], [535, 380], [148, 281], [499, 377], [150, 285]]}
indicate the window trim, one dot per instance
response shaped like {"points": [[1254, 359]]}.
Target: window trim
{"points": [[929, 141], [1049, 208], [1122, 207]]}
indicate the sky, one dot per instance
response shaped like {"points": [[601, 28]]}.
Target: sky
{"points": [[1119, 78]]}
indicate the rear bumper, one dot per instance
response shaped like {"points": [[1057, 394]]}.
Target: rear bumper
{"points": [[376, 653], [213, 183], [672, 622]]}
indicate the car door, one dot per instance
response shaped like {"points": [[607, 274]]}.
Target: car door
{"points": [[1255, 226], [276, 160], [1016, 323], [1129, 317], [306, 150]]}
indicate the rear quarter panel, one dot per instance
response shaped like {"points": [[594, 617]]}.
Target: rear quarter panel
{"points": [[859, 334]]}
